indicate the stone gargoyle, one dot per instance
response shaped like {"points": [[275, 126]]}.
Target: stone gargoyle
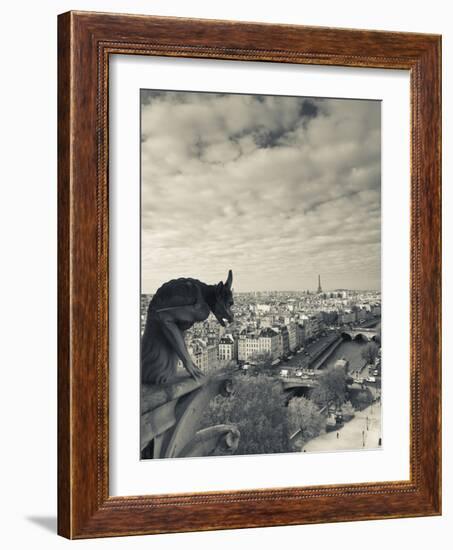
{"points": [[176, 307]]}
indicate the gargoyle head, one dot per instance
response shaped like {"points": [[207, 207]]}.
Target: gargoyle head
{"points": [[224, 301]]}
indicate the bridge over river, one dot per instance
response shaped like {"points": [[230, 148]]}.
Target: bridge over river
{"points": [[308, 383], [335, 345], [365, 334], [295, 382]]}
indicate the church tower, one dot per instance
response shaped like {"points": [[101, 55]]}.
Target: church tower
{"points": [[319, 284]]}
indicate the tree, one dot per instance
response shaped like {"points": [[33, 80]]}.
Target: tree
{"points": [[331, 389], [305, 416], [257, 408], [362, 399], [370, 352], [348, 410], [261, 359], [378, 337]]}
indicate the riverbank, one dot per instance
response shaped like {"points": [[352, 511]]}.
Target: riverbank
{"points": [[362, 432], [326, 350]]}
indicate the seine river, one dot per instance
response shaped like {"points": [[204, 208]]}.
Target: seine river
{"points": [[352, 351], [347, 349]]}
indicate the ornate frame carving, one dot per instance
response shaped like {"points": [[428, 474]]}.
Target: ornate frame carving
{"points": [[85, 42]]}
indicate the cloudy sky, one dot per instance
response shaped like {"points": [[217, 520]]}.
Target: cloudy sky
{"points": [[276, 188]]}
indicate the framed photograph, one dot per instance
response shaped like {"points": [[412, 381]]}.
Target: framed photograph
{"points": [[249, 275]]}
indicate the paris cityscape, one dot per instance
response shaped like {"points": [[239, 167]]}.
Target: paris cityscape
{"points": [[295, 338], [261, 253]]}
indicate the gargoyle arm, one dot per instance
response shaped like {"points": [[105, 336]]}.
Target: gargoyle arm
{"points": [[168, 318]]}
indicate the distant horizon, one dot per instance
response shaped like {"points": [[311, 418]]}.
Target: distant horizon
{"points": [[314, 291]]}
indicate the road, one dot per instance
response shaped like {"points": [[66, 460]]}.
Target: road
{"points": [[301, 360], [362, 432], [350, 350]]}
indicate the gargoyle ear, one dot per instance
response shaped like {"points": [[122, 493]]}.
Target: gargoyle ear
{"points": [[219, 288], [229, 280]]}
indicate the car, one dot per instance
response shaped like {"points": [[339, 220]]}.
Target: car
{"points": [[371, 379]]}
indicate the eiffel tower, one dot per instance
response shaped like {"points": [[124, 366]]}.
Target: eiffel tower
{"points": [[319, 284]]}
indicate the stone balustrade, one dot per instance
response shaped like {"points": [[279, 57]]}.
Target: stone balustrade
{"points": [[171, 416]]}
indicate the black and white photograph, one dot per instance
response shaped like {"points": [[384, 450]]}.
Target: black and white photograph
{"points": [[225, 283], [260, 274]]}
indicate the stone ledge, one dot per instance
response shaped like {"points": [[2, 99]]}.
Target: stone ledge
{"points": [[171, 414]]}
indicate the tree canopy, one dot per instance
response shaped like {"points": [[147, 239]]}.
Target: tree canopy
{"points": [[257, 408], [370, 352], [304, 415], [331, 389]]}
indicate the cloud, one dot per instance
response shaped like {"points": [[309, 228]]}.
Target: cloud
{"points": [[277, 188]]}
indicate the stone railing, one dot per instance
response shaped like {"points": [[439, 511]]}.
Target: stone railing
{"points": [[171, 416]]}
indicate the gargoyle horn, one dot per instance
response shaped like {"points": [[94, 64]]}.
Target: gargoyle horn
{"points": [[229, 280]]}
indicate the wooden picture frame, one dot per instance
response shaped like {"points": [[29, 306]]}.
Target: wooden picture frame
{"points": [[85, 42]]}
